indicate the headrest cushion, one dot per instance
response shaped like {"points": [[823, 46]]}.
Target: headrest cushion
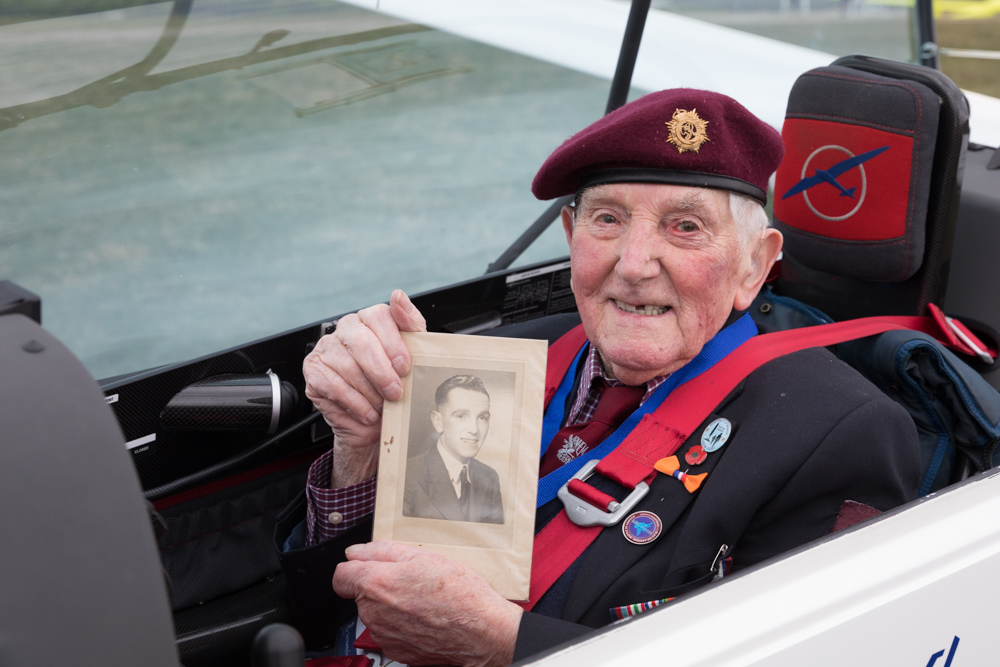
{"points": [[851, 195]]}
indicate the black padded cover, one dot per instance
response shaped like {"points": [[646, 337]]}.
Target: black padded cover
{"points": [[851, 194], [844, 296]]}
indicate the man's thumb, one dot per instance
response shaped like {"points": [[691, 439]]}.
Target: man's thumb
{"points": [[405, 314], [382, 550]]}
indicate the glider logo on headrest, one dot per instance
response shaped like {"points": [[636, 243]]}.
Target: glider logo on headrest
{"points": [[830, 175]]}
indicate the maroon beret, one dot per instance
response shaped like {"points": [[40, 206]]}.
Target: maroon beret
{"points": [[680, 136]]}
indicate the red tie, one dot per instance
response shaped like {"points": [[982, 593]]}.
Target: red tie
{"points": [[613, 407]]}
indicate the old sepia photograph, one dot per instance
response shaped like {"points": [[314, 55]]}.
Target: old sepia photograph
{"points": [[447, 480], [459, 457]]}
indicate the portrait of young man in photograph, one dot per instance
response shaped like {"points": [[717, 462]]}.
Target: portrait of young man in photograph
{"points": [[447, 481]]}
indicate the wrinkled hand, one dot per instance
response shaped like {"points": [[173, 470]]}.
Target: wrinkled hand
{"points": [[351, 372], [424, 608]]}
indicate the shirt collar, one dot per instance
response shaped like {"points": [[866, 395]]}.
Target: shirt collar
{"points": [[451, 464], [592, 370]]}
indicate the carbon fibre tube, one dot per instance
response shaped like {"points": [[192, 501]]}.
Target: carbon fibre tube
{"points": [[231, 402]]}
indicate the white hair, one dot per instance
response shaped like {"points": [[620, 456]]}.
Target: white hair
{"points": [[750, 218], [748, 214]]}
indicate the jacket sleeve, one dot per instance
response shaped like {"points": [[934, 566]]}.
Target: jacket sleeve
{"points": [[539, 633], [317, 611], [496, 502], [871, 457]]}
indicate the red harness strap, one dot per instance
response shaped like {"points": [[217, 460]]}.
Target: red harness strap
{"points": [[561, 355], [662, 432]]}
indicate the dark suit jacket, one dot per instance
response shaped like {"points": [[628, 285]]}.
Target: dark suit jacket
{"points": [[809, 433], [428, 492]]}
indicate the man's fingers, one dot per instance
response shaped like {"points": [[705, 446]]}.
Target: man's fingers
{"points": [[370, 353], [405, 314], [348, 578], [349, 429], [385, 330], [385, 551], [335, 378], [424, 608], [364, 395], [402, 315], [363, 362], [367, 560]]}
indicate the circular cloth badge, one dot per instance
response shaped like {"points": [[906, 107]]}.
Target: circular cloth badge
{"points": [[642, 527], [716, 434]]}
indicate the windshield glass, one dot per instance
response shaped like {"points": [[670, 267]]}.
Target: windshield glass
{"points": [[182, 177], [882, 28]]}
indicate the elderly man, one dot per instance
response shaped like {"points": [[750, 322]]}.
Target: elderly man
{"points": [[669, 246]]}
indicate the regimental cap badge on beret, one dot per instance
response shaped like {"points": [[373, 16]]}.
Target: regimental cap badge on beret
{"points": [[687, 130]]}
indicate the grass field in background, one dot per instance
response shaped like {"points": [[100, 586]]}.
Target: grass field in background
{"points": [[976, 74]]}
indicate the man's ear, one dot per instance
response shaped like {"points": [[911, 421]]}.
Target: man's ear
{"points": [[567, 220], [438, 421], [763, 258]]}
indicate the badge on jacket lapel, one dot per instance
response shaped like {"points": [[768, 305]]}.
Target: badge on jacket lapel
{"points": [[696, 455], [671, 466], [642, 527], [716, 434]]}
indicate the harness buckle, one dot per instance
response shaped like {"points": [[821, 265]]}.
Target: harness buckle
{"points": [[584, 514]]}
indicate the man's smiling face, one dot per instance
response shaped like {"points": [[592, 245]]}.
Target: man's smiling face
{"points": [[656, 269], [463, 422]]}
